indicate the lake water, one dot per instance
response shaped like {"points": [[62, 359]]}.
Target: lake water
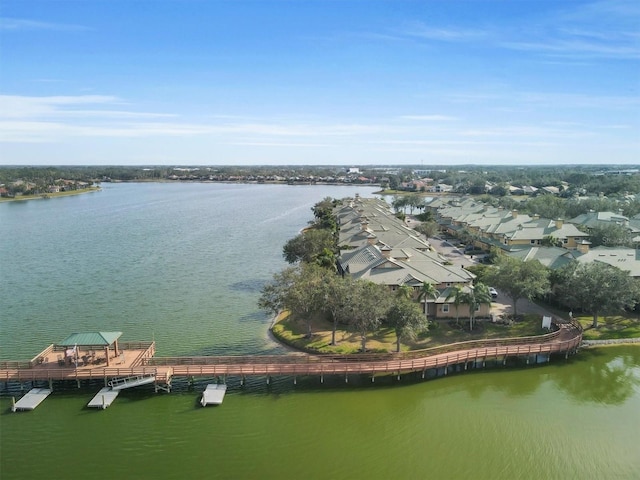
{"points": [[183, 264]]}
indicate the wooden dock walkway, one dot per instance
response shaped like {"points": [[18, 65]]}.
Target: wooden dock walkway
{"points": [[160, 370]]}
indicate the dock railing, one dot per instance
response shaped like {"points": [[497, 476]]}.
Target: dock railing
{"points": [[549, 339]]}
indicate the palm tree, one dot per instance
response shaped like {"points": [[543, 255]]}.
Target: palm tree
{"points": [[327, 259], [457, 294], [474, 297], [404, 291], [427, 291]]}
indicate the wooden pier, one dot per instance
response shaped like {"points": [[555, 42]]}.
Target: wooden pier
{"points": [[138, 364]]}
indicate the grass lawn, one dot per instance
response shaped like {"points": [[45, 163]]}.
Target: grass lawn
{"points": [[610, 327], [293, 332]]}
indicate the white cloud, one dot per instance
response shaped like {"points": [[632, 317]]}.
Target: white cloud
{"points": [[444, 34], [23, 24], [48, 119], [15, 106], [428, 118]]}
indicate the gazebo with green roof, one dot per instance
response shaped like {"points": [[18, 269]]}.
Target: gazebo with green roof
{"points": [[94, 340]]}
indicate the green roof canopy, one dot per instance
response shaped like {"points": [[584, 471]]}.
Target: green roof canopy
{"points": [[102, 339]]}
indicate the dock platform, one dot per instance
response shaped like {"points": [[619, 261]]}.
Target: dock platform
{"points": [[103, 398], [213, 394], [32, 399]]}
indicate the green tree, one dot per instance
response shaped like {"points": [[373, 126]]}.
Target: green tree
{"points": [[367, 304], [474, 297], [547, 206], [300, 290], [596, 288], [610, 236], [406, 319], [427, 291], [336, 300], [308, 245], [428, 229], [323, 213], [415, 201], [327, 259], [456, 293], [399, 203], [518, 279], [404, 291]]}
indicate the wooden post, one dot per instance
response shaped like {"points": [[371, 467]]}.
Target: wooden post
{"points": [[106, 352]]}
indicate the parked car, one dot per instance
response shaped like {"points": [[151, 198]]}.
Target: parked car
{"points": [[493, 292]]}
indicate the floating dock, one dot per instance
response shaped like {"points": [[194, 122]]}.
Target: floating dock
{"points": [[32, 399], [103, 398], [213, 394]]}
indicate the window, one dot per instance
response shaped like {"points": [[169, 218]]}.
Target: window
{"points": [[445, 308], [478, 308]]}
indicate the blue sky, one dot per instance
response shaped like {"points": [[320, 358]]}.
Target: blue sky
{"points": [[195, 82]]}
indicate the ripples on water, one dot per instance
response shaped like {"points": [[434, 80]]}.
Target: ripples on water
{"points": [[184, 264]]}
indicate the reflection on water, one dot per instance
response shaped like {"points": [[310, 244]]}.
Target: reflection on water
{"points": [[601, 379]]}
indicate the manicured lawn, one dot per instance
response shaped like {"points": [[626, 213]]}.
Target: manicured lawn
{"points": [[293, 332], [610, 327]]}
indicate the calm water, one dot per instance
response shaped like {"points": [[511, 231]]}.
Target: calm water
{"points": [[184, 264]]}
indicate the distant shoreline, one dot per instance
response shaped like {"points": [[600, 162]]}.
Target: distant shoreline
{"points": [[46, 196]]}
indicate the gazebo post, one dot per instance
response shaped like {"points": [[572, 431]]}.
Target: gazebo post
{"points": [[115, 346], [106, 352]]}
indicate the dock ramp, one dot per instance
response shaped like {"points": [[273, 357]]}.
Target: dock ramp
{"points": [[213, 394], [129, 382], [103, 398], [32, 399]]}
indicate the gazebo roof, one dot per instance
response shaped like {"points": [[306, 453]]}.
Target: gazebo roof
{"points": [[91, 339]]}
